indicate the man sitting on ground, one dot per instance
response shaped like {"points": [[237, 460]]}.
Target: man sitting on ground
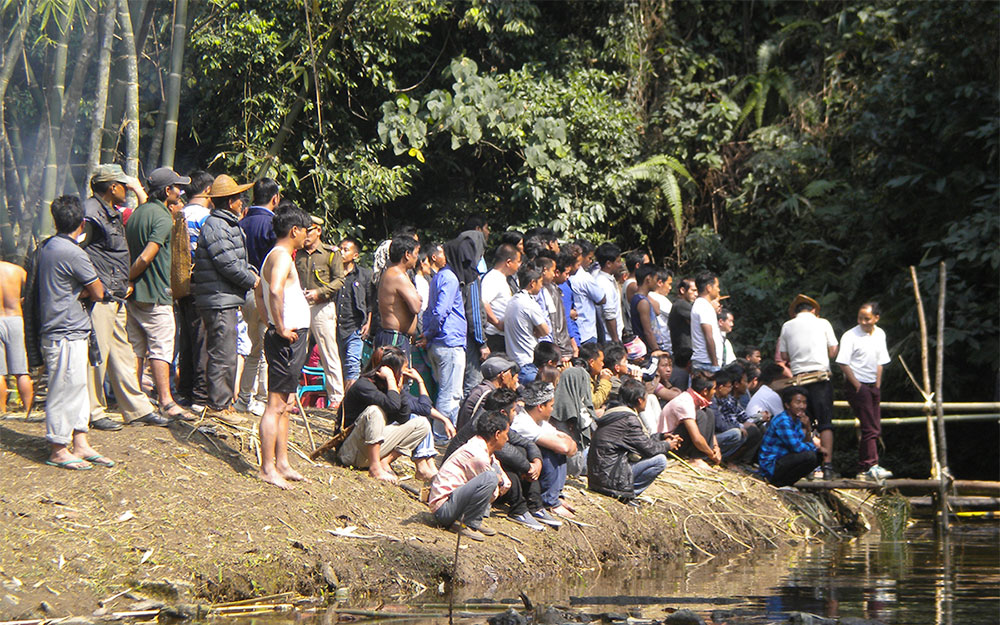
{"points": [[789, 451], [470, 479], [600, 377], [498, 372], [687, 415], [765, 402], [555, 446], [546, 353], [623, 460], [737, 441]]}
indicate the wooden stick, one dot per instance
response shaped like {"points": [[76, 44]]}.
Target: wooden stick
{"points": [[305, 419], [931, 436], [280, 595], [939, 389]]}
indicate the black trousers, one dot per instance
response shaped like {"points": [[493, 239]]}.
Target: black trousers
{"points": [[791, 468], [523, 495], [706, 425], [191, 354], [220, 346]]}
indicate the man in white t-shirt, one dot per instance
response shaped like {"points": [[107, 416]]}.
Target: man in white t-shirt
{"points": [[664, 280], [706, 338], [807, 343], [766, 402], [863, 353], [496, 292], [524, 321], [555, 446]]}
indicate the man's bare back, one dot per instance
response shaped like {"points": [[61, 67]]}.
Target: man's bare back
{"points": [[11, 280], [396, 297]]}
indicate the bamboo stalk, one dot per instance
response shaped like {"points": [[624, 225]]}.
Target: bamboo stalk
{"points": [[925, 369], [972, 406], [939, 391], [280, 595], [952, 418], [305, 419]]}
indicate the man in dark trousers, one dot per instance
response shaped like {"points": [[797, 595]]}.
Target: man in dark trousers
{"points": [[354, 315]]}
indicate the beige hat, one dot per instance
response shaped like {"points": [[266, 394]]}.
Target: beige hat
{"points": [[317, 221], [224, 186], [802, 299]]}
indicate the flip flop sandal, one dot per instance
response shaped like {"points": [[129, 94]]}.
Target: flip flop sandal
{"points": [[183, 414], [100, 460], [70, 465]]}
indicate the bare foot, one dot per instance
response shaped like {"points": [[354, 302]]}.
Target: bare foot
{"points": [[425, 469], [383, 475], [276, 479], [84, 451], [698, 463], [291, 474], [425, 475]]}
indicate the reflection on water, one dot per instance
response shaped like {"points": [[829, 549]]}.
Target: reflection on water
{"points": [[918, 580]]}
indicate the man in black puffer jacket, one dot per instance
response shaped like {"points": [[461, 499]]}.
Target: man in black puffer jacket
{"points": [[623, 460], [221, 279]]}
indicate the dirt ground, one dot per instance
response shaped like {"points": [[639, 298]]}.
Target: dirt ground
{"points": [[183, 516]]}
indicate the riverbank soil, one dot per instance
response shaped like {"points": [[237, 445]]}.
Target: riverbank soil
{"points": [[183, 515]]}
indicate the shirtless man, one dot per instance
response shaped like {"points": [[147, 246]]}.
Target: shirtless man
{"points": [[398, 300], [14, 360], [286, 342]]}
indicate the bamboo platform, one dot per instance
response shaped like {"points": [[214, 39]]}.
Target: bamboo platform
{"points": [[961, 487]]}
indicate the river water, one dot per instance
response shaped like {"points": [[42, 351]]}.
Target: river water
{"points": [[918, 580]]}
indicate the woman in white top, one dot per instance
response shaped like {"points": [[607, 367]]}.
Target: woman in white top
{"points": [[863, 353]]}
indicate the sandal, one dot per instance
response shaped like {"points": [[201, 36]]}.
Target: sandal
{"points": [[182, 414], [71, 465], [100, 460]]}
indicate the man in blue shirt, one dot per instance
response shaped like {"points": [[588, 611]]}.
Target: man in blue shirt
{"points": [[788, 452], [445, 330], [259, 234]]}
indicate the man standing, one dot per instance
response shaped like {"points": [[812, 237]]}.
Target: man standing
{"points": [[807, 343], [259, 236], [219, 284], [524, 321], [64, 274], [587, 296], [150, 322], [496, 292], [861, 356], [726, 323], [398, 300], [106, 245], [706, 338], [445, 330], [191, 331], [354, 315], [321, 273], [609, 258], [286, 342], [13, 355], [680, 316]]}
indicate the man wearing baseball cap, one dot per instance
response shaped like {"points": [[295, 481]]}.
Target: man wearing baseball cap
{"points": [[105, 244], [498, 372], [150, 308]]}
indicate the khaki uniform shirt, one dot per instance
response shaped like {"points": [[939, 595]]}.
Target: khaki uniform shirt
{"points": [[322, 269]]}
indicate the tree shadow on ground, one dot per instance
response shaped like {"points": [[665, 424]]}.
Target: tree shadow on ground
{"points": [[28, 446], [186, 434]]}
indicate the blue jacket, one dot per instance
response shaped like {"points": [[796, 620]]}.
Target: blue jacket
{"points": [[444, 319], [259, 230]]}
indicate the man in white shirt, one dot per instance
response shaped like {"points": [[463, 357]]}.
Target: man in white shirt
{"points": [[766, 402], [863, 353], [496, 292], [524, 321], [726, 323], [706, 338], [609, 258], [587, 296], [807, 343]]}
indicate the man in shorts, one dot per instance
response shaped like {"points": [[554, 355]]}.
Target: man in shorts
{"points": [[13, 356], [150, 323], [286, 342]]}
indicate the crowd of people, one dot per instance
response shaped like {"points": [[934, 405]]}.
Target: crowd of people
{"points": [[499, 381]]}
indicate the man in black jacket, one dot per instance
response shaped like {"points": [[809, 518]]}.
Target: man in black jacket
{"points": [[354, 311], [497, 372], [520, 459], [221, 279], [623, 460]]}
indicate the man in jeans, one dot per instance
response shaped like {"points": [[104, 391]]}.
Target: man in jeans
{"points": [[104, 242], [150, 323], [221, 279], [354, 316], [445, 332]]}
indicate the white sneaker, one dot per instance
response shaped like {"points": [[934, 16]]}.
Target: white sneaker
{"points": [[877, 473], [257, 407]]}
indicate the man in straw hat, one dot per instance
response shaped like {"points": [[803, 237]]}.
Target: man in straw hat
{"points": [[150, 322], [807, 343], [105, 244], [220, 282]]}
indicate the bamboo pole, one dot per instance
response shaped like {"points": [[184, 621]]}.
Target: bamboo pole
{"points": [[939, 371], [925, 369], [952, 418], [971, 406]]}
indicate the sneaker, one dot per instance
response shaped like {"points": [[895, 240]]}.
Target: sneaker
{"points": [[256, 407], [546, 517], [876, 473], [527, 520], [486, 530], [197, 408], [829, 474], [467, 532], [227, 416], [816, 475]]}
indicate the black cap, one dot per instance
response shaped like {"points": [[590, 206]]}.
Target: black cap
{"points": [[164, 177]]}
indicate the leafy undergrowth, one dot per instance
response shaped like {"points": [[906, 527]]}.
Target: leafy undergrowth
{"points": [[189, 510]]}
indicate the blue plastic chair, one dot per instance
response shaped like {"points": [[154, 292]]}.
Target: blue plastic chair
{"points": [[306, 387]]}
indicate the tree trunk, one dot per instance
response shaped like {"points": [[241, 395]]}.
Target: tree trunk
{"points": [[10, 59], [71, 103], [173, 95], [54, 93], [131, 92], [101, 94]]}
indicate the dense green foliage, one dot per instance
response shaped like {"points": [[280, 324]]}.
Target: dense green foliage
{"points": [[818, 147]]}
